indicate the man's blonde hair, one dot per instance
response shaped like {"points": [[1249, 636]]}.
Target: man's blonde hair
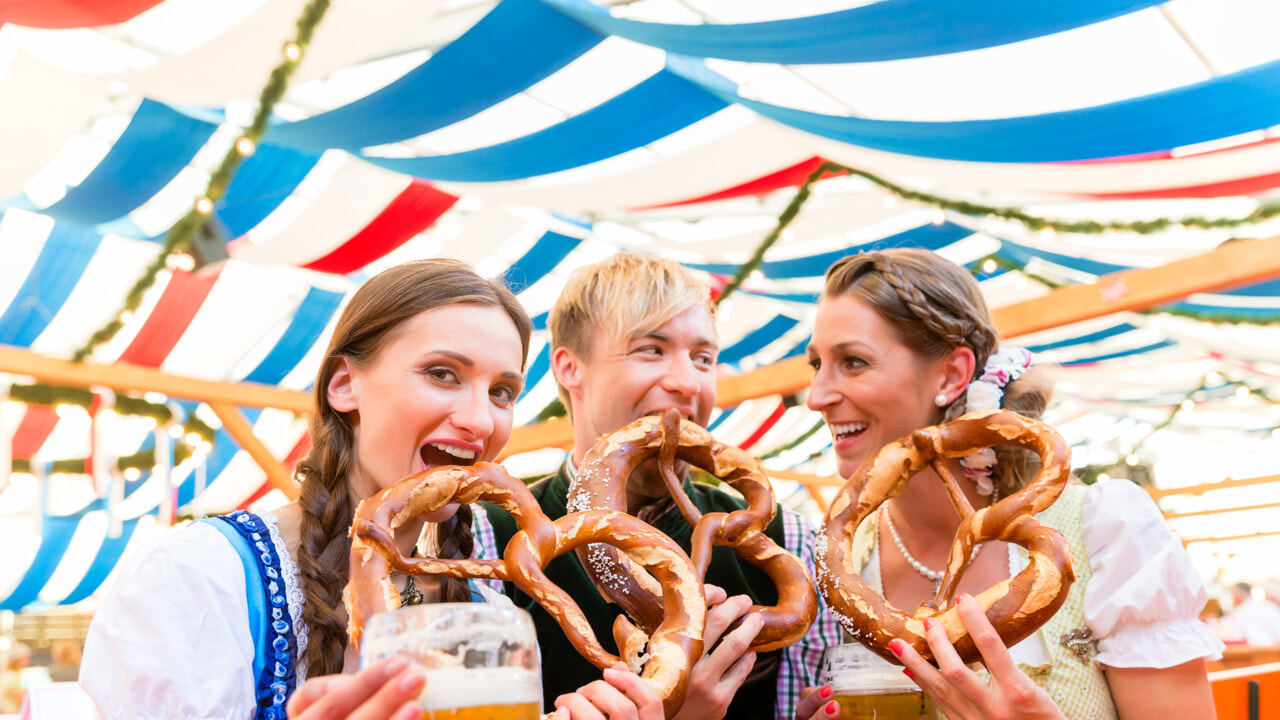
{"points": [[626, 295]]}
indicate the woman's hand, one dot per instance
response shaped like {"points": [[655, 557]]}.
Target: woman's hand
{"points": [[388, 690], [816, 704], [958, 691], [622, 695]]}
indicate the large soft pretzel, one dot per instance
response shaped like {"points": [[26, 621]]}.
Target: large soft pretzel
{"points": [[673, 644], [601, 483], [1016, 606]]}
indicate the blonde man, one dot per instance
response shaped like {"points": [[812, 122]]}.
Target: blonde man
{"points": [[633, 336]]}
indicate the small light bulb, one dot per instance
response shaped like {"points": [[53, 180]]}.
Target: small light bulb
{"points": [[1047, 233], [183, 261], [1131, 459], [757, 274], [175, 432], [890, 201], [245, 147], [1103, 477], [1213, 377], [939, 218], [204, 205], [64, 410], [989, 266], [292, 51], [1188, 405], [126, 317], [132, 474], [193, 439], [1242, 391]]}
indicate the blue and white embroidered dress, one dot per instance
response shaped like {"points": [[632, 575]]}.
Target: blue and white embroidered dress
{"points": [[203, 624]]}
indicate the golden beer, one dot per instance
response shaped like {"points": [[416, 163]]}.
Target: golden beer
{"points": [[869, 688], [889, 705]]}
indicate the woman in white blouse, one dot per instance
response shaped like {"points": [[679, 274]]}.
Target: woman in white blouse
{"points": [[226, 618], [903, 340]]}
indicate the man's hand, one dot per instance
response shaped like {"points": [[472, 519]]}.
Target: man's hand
{"points": [[716, 676], [388, 690]]}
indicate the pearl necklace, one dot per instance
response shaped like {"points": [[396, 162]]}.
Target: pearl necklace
{"points": [[934, 576]]}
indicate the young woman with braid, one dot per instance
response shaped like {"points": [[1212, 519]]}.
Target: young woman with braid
{"points": [[903, 340], [225, 618]]}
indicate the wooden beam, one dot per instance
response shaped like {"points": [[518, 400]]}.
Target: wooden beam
{"points": [[557, 432], [1252, 536], [806, 479], [1159, 493], [1216, 511], [1232, 264], [135, 378], [238, 426]]}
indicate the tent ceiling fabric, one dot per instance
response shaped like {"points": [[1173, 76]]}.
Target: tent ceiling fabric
{"points": [[531, 137]]}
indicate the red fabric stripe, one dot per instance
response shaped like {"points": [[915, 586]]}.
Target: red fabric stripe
{"points": [[33, 430], [793, 176], [1229, 188], [768, 424], [71, 13], [410, 213], [171, 317]]}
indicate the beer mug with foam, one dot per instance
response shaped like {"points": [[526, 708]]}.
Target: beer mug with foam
{"points": [[480, 660], [867, 687]]}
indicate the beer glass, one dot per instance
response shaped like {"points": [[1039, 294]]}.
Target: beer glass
{"points": [[869, 688], [480, 660]]}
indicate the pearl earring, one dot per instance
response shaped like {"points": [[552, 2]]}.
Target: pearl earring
{"points": [[940, 399]]}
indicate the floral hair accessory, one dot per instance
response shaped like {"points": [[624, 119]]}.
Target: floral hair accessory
{"points": [[986, 393]]}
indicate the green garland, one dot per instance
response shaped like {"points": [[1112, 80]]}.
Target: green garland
{"points": [[1265, 211], [180, 235], [41, 394]]}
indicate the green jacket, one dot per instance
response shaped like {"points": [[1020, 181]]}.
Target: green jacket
{"points": [[563, 669]]}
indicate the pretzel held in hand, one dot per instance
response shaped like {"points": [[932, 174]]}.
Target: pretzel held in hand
{"points": [[601, 483], [673, 644], [1017, 606]]}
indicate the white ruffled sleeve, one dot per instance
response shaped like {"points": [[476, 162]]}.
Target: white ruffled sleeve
{"points": [[172, 639], [1144, 600]]}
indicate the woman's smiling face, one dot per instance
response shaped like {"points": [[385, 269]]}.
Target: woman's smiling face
{"points": [[441, 392], [870, 387]]}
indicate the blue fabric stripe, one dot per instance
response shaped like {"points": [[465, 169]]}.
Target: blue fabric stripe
{"points": [[519, 43], [158, 143], [889, 30], [538, 369], [55, 537], [264, 181], [308, 322], [1121, 353], [652, 110], [928, 236], [540, 321], [60, 265], [756, 340], [1114, 330], [103, 563], [541, 259], [1221, 107], [1021, 255], [799, 349], [1226, 313], [253, 587], [724, 415]]}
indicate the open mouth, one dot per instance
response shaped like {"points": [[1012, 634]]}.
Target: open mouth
{"points": [[847, 431], [660, 413], [436, 454]]}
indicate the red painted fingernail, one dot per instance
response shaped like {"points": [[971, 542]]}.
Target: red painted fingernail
{"points": [[825, 691], [832, 708], [962, 597], [908, 673], [928, 624], [896, 647]]}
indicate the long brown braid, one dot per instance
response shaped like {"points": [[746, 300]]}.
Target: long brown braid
{"points": [[367, 325], [934, 305]]}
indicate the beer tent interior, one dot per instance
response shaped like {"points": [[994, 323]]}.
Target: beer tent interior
{"points": [[531, 137]]}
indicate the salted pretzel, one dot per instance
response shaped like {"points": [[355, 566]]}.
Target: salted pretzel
{"points": [[601, 484], [1016, 606], [672, 646]]}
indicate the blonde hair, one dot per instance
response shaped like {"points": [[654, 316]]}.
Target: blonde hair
{"points": [[626, 295]]}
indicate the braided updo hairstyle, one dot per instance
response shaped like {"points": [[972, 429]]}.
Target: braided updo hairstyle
{"points": [[369, 322], [934, 306]]}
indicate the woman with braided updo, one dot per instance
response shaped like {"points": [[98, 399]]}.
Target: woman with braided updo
{"points": [[225, 618], [903, 340]]}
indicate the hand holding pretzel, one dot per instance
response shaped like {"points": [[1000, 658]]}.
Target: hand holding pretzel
{"points": [[1017, 606], [666, 654], [601, 483]]}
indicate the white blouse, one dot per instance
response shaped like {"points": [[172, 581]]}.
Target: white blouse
{"points": [[1144, 598], [172, 639]]}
